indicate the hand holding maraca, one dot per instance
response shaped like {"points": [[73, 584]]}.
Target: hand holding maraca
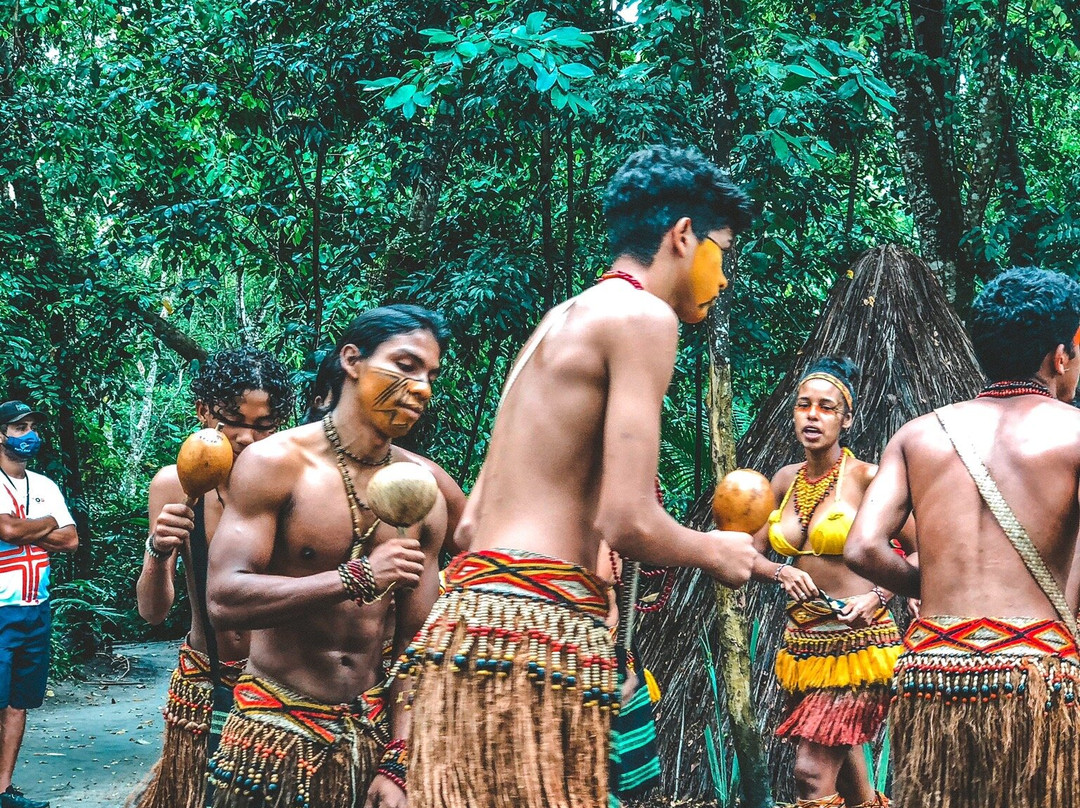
{"points": [[741, 504], [402, 494], [202, 464]]}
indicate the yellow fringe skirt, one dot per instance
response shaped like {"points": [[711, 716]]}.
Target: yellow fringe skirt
{"points": [[838, 677], [985, 715], [178, 779], [514, 687], [280, 748]]}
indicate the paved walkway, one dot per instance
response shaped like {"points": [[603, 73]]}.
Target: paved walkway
{"points": [[92, 742]]}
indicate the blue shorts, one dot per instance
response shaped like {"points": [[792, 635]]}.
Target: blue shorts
{"points": [[24, 654]]}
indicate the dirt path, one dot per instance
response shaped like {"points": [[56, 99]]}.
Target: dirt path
{"points": [[93, 741]]}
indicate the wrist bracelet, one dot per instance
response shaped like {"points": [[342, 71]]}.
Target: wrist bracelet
{"points": [[395, 762], [877, 590], [160, 555], [776, 574], [358, 579]]}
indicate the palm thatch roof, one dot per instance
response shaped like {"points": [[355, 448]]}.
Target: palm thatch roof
{"points": [[891, 316]]}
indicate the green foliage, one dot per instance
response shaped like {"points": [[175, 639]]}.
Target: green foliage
{"points": [[179, 176]]}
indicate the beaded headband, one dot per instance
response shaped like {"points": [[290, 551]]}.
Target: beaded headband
{"points": [[845, 391]]}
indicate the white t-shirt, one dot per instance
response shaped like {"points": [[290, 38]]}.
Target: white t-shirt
{"points": [[24, 570]]}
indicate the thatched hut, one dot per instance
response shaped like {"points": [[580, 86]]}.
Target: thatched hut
{"points": [[891, 316]]}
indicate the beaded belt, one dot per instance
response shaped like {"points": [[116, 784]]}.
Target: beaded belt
{"points": [[980, 659], [510, 610]]}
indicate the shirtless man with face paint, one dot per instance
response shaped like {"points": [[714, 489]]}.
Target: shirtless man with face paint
{"points": [[516, 672], [311, 725]]}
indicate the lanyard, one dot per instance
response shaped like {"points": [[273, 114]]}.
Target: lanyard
{"points": [[15, 490]]}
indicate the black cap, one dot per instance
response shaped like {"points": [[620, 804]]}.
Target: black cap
{"points": [[12, 411]]}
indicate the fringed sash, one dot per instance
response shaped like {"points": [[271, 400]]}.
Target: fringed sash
{"points": [[985, 714], [280, 747], [514, 687]]}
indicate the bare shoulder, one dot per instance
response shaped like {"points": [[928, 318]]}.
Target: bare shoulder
{"points": [[783, 479], [862, 472], [619, 312], [166, 483], [442, 477], [274, 463]]}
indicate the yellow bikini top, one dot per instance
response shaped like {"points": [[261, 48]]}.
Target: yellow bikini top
{"points": [[828, 536]]}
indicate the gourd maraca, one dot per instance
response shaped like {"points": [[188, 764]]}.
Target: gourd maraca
{"points": [[203, 463], [743, 501], [402, 494]]}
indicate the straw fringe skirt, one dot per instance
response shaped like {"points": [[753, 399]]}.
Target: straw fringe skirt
{"points": [[838, 677], [514, 687], [280, 748], [985, 715], [178, 779]]}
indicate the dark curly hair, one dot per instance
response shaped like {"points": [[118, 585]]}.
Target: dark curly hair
{"points": [[224, 378], [1021, 316], [843, 368], [659, 185]]}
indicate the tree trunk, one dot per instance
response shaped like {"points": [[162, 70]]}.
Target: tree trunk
{"points": [[316, 249], [733, 637], [571, 224]]}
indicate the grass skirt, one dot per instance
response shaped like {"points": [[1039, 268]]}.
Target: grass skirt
{"points": [[178, 779], [280, 748], [838, 677], [985, 715], [514, 687]]}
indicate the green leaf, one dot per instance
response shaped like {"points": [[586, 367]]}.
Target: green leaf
{"points": [[437, 37], [544, 80], [776, 116], [468, 50], [818, 67], [780, 146], [402, 94], [380, 84], [799, 70], [535, 22], [576, 71], [794, 82]]}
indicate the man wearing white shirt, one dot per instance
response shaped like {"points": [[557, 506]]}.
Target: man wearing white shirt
{"points": [[34, 521]]}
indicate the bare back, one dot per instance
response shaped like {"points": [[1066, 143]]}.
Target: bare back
{"points": [[1031, 446], [544, 477]]}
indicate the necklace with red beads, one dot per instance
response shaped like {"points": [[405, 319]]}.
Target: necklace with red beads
{"points": [[618, 274], [1009, 389]]}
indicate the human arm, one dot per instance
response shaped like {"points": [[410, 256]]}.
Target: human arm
{"points": [[14, 530], [640, 353], [411, 608], [62, 540], [883, 513], [455, 506], [241, 593], [171, 525], [797, 583]]}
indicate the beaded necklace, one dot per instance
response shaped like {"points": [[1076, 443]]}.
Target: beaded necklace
{"points": [[808, 494], [1009, 389], [355, 503], [618, 274], [385, 461]]}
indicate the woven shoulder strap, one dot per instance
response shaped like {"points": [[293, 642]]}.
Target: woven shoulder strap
{"points": [[1005, 517], [555, 316]]}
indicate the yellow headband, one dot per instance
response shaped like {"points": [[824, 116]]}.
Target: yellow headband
{"points": [[845, 391]]}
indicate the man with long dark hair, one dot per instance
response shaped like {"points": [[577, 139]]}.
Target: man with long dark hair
{"points": [[302, 563]]}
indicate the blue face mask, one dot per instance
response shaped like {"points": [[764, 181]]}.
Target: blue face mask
{"points": [[23, 447]]}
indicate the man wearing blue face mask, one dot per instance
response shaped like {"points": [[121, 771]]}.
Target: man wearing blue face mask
{"points": [[34, 521]]}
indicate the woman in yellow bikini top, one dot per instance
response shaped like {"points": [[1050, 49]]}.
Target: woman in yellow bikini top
{"points": [[837, 655]]}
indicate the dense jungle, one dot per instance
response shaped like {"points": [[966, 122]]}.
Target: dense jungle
{"points": [[179, 176]]}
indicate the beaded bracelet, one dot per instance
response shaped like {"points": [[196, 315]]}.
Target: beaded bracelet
{"points": [[880, 596], [394, 764], [776, 574], [160, 555], [358, 579]]}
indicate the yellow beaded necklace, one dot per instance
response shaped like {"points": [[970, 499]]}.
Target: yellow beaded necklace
{"points": [[808, 494]]}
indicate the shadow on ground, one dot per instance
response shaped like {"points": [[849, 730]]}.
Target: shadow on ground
{"points": [[93, 741]]}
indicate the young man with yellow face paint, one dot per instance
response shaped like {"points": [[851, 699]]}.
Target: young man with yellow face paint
{"points": [[516, 710]]}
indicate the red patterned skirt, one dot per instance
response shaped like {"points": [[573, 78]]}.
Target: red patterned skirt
{"points": [[838, 677]]}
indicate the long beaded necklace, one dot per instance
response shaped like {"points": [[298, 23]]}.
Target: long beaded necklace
{"points": [[355, 503], [808, 494], [1009, 389]]}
